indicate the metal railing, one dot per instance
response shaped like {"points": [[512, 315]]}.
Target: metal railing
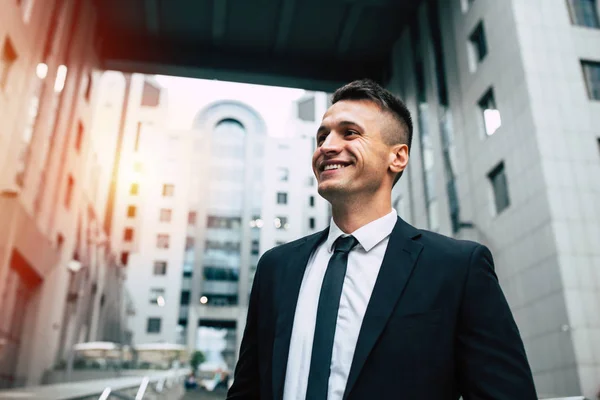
{"points": [[161, 385]]}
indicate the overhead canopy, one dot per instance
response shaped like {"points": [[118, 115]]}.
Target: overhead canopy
{"points": [[313, 44]]}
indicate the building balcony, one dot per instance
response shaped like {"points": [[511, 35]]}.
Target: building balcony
{"points": [[20, 230], [226, 288]]}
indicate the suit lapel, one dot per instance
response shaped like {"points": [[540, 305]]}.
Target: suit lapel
{"points": [[291, 280], [399, 260]]}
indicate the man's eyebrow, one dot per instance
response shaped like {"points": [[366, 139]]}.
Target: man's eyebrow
{"points": [[346, 123], [323, 128]]}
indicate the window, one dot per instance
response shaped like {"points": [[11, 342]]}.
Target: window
{"points": [[165, 215], [69, 192], [26, 6], [306, 109], [283, 174], [160, 268], [466, 5], [281, 198], [79, 138], [162, 241], [60, 240], [189, 243], [490, 113], [168, 190], [227, 246], [224, 222], [137, 136], [150, 95], [131, 210], [153, 325], [185, 298], [9, 56], [61, 78], [591, 71], [584, 13], [255, 247], [311, 223], [128, 234], [156, 294], [192, 218], [124, 258], [477, 46], [281, 223], [311, 201], [221, 274], [134, 189], [89, 82], [499, 187]]}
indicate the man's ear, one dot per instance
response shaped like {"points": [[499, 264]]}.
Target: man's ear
{"points": [[398, 158]]}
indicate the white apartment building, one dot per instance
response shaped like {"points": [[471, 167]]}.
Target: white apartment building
{"points": [[149, 192], [505, 100], [249, 193], [155, 268], [226, 195], [291, 199]]}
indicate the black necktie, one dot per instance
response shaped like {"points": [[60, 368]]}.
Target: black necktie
{"points": [[329, 303]]}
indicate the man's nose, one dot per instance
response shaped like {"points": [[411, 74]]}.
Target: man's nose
{"points": [[332, 143]]}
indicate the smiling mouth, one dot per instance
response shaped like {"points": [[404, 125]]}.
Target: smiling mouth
{"points": [[331, 167]]}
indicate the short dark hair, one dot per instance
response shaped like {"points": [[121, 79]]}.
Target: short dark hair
{"points": [[366, 89]]}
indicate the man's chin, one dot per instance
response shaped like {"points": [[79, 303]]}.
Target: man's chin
{"points": [[330, 190]]}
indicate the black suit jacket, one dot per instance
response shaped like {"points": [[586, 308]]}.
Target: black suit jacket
{"points": [[437, 325]]}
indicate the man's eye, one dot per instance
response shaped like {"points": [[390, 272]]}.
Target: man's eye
{"points": [[350, 132]]}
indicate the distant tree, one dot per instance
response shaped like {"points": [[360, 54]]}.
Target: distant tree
{"points": [[196, 359]]}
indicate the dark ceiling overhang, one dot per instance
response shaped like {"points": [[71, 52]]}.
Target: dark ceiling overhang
{"points": [[315, 45]]}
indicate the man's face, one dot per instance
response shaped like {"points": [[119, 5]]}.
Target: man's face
{"points": [[352, 157]]}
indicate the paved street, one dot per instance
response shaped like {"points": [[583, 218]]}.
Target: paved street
{"points": [[218, 394]]}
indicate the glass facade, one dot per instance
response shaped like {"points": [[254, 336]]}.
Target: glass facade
{"points": [[222, 254]]}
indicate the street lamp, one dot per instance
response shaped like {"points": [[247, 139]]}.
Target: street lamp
{"points": [[74, 266]]}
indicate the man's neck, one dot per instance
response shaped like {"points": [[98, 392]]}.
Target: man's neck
{"points": [[352, 215]]}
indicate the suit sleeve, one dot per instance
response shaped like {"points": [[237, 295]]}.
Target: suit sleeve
{"points": [[491, 358], [246, 382]]}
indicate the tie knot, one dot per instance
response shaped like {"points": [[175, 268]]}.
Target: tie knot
{"points": [[344, 244]]}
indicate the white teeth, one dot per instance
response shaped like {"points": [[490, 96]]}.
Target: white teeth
{"points": [[333, 166]]}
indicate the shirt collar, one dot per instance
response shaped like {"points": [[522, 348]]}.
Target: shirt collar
{"points": [[369, 235]]}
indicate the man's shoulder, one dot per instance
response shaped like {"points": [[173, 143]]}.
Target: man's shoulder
{"points": [[446, 245]]}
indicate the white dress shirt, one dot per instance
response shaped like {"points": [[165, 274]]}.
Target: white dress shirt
{"points": [[364, 262]]}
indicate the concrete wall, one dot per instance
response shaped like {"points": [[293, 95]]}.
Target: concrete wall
{"points": [[544, 243], [565, 122], [46, 108]]}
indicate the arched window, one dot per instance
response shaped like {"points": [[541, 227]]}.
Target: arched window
{"points": [[231, 122], [228, 139]]}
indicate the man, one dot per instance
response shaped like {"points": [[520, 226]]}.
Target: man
{"points": [[373, 308]]}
